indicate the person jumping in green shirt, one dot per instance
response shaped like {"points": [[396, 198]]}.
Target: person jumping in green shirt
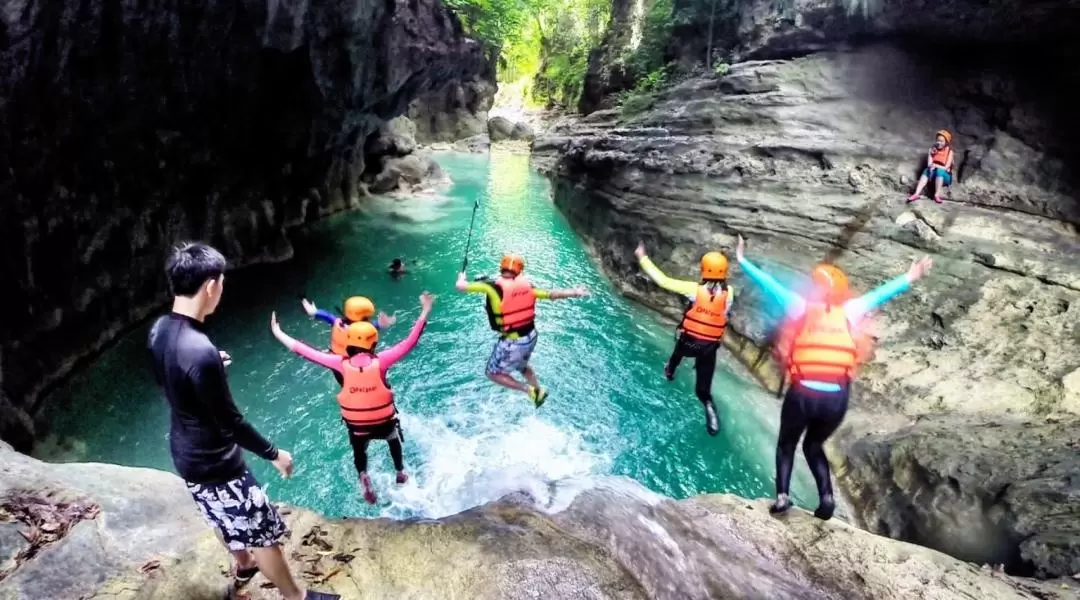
{"points": [[511, 309], [702, 325]]}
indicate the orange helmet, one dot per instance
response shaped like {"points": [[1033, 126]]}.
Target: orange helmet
{"points": [[945, 134], [714, 265], [831, 281], [362, 335], [358, 308], [513, 263]]}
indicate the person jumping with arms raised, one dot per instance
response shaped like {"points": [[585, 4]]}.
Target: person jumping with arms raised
{"points": [[366, 400], [355, 309], [702, 325], [820, 345], [511, 309]]}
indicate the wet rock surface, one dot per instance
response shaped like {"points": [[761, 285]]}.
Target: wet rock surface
{"points": [[140, 514], [126, 129], [617, 541], [812, 159]]}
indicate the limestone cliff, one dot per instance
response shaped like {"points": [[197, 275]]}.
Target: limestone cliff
{"points": [[143, 540], [812, 158], [455, 112], [126, 128]]}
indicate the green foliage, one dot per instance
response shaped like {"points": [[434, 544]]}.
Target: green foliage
{"points": [[546, 42], [643, 95], [722, 68], [496, 23], [650, 54]]}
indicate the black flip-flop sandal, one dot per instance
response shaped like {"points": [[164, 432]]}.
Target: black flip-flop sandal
{"points": [[243, 576], [310, 595]]}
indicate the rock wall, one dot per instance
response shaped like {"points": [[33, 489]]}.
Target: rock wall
{"points": [[126, 129], [615, 542], [455, 112], [812, 158]]}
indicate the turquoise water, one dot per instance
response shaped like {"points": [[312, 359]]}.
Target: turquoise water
{"points": [[467, 441]]}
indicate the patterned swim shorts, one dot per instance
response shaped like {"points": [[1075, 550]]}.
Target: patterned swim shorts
{"points": [[240, 510], [509, 356]]}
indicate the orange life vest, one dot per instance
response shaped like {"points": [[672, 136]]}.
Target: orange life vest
{"points": [[518, 303], [337, 339], [820, 345], [941, 156], [706, 317], [365, 397]]}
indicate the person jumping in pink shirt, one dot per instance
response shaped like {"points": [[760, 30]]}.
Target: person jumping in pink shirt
{"points": [[366, 400]]}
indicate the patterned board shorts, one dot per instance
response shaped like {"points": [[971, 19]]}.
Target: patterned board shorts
{"points": [[240, 511], [509, 356]]}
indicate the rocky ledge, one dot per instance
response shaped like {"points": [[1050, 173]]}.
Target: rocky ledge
{"points": [[970, 405], [140, 538]]}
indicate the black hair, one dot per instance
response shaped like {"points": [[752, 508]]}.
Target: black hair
{"points": [[190, 265], [395, 263]]}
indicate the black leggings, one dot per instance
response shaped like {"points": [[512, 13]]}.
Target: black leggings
{"points": [[360, 444], [704, 355], [818, 414]]}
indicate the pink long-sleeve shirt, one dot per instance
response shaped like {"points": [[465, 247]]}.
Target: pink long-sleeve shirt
{"points": [[387, 357]]}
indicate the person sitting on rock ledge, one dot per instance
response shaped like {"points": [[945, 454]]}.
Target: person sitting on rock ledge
{"points": [[819, 347], [366, 400], [939, 167], [703, 323], [207, 432]]}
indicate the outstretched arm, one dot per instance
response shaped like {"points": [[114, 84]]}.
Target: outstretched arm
{"points": [[398, 351], [858, 308], [462, 284], [578, 292], [678, 286], [793, 304], [326, 316], [316, 313], [330, 361]]}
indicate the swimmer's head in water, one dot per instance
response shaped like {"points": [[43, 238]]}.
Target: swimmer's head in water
{"points": [[512, 264], [362, 336], [714, 265], [396, 263], [358, 308], [830, 284]]}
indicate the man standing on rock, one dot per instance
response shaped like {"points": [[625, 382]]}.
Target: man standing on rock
{"points": [[207, 431], [703, 323]]}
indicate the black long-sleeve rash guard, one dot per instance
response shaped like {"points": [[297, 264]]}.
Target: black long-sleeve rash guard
{"points": [[206, 430]]}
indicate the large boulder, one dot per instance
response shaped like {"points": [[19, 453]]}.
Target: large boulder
{"points": [[143, 540], [1001, 493], [406, 173], [127, 127], [475, 144], [812, 159], [500, 128], [522, 132], [134, 516], [396, 137], [455, 112]]}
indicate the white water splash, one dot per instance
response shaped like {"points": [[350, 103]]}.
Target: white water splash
{"points": [[461, 470]]}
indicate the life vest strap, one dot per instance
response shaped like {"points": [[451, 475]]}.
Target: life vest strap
{"points": [[373, 408]]}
